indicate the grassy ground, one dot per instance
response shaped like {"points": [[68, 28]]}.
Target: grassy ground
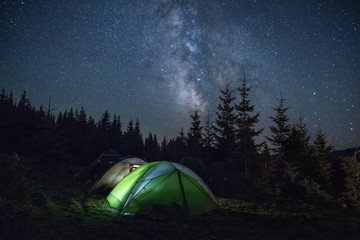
{"points": [[56, 208]]}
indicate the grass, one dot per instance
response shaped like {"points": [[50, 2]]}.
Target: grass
{"points": [[56, 208]]}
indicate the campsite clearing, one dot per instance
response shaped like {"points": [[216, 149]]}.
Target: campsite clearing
{"points": [[55, 207]]}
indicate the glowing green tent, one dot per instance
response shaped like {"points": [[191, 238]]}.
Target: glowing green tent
{"points": [[162, 187]]}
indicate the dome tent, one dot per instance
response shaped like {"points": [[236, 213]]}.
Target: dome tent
{"points": [[99, 166], [163, 188], [114, 174]]}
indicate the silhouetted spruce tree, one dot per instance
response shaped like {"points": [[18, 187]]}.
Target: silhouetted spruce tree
{"points": [[351, 167], [151, 148], [324, 169], [267, 178], [280, 131], [10, 127], [130, 127], [71, 118], [104, 122], [59, 118], [24, 102], [91, 122], [156, 148], [81, 118], [11, 99], [133, 142], [128, 138], [208, 141], [6, 113], [297, 161], [194, 135], [245, 132], [68, 136], [25, 125], [3, 114], [44, 144], [3, 97], [92, 141], [139, 142], [104, 125], [176, 148], [164, 153], [180, 145], [208, 133], [297, 152], [115, 134], [181, 138], [224, 127]]}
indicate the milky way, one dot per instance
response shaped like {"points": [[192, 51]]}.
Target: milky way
{"points": [[160, 60]]}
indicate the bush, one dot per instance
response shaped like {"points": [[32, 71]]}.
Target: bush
{"points": [[12, 180], [291, 183], [314, 192], [351, 167]]}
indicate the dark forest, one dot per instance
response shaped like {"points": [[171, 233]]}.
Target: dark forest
{"points": [[294, 165], [290, 165]]}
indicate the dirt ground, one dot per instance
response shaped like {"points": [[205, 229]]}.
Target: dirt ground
{"points": [[58, 209]]}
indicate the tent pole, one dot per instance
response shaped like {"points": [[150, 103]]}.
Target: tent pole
{"points": [[182, 189]]}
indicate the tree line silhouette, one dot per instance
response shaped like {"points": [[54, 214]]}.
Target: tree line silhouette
{"points": [[292, 165]]}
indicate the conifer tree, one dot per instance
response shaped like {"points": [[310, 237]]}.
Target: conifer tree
{"points": [[130, 127], [104, 122], [91, 122], [24, 103], [208, 141], [11, 99], [280, 131], [151, 148], [49, 108], [208, 135], [351, 167], [3, 97], [163, 149], [115, 134], [139, 143], [137, 129], [297, 152], [156, 142], [60, 118], [245, 122], [225, 124], [3, 108], [181, 138], [81, 118], [324, 167], [71, 119], [132, 141], [194, 135], [176, 148]]}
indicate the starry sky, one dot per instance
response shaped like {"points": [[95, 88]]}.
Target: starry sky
{"points": [[158, 60]]}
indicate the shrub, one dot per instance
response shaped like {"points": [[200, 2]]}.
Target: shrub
{"points": [[314, 192], [12, 179], [351, 195]]}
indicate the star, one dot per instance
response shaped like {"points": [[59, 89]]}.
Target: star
{"points": [[158, 61]]}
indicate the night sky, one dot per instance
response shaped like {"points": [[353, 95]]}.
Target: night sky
{"points": [[158, 60]]}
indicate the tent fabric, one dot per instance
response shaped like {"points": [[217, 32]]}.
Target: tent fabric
{"points": [[99, 166], [114, 175], [162, 187]]}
